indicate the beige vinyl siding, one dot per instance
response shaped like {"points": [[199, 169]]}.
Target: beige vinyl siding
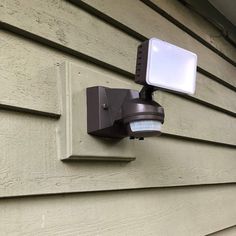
{"points": [[174, 211], [194, 23], [28, 82], [185, 163], [30, 163], [197, 147]]}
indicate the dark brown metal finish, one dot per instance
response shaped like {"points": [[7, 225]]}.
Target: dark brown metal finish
{"points": [[110, 111], [104, 111], [139, 109], [141, 63]]}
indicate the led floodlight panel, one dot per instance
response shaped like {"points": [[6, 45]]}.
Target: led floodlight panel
{"points": [[167, 66]]}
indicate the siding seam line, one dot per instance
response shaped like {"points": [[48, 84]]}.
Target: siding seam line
{"points": [[224, 184], [186, 138], [221, 230], [29, 111]]}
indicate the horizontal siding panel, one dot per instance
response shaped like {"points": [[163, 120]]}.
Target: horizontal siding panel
{"points": [[28, 78], [65, 24], [30, 162], [28, 81], [177, 211], [214, 93], [193, 120], [191, 20], [69, 26]]}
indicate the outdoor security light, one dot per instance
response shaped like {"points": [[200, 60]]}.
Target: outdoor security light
{"points": [[118, 113]]}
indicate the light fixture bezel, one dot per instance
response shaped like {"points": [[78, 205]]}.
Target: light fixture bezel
{"points": [[144, 66]]}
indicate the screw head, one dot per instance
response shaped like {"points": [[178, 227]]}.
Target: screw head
{"points": [[105, 106]]}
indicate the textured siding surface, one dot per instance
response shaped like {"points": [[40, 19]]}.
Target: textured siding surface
{"points": [[182, 183], [173, 211]]}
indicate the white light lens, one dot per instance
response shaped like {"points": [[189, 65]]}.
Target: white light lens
{"points": [[145, 125], [171, 67]]}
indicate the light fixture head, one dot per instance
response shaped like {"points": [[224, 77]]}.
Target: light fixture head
{"points": [[163, 65]]}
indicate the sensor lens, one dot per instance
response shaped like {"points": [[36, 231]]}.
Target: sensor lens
{"points": [[145, 125]]}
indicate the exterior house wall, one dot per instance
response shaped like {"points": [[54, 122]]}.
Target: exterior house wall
{"points": [[181, 183]]}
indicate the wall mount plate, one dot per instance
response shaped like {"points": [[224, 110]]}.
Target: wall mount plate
{"points": [[74, 141]]}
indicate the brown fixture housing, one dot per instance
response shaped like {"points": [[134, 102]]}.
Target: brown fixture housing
{"points": [[110, 112]]}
